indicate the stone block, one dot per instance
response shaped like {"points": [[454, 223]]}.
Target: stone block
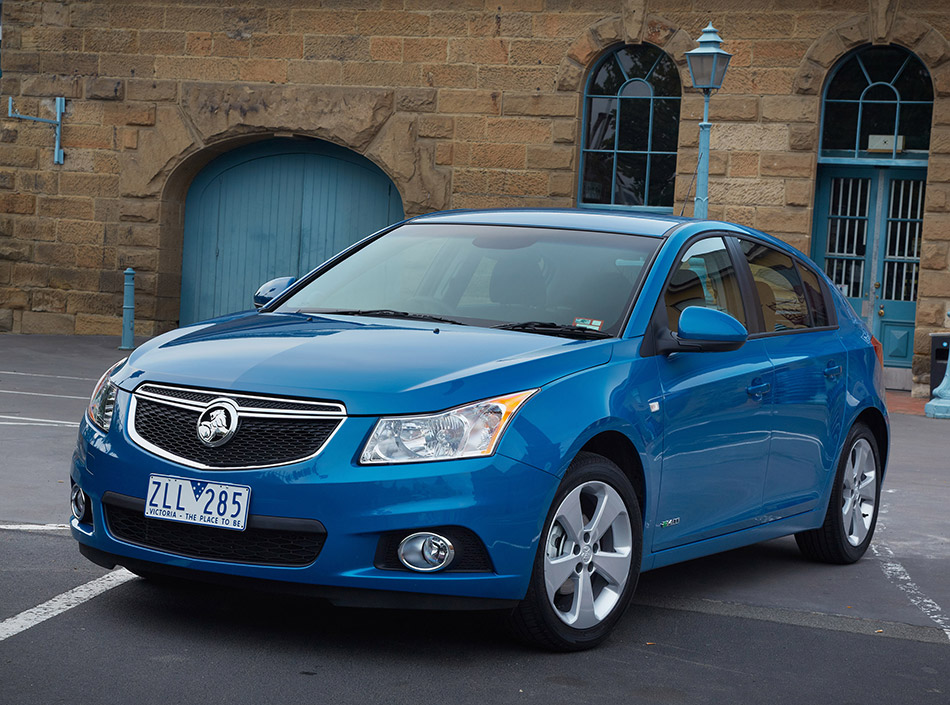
{"points": [[112, 41], [908, 30], [452, 101], [97, 324], [585, 48], [21, 61], [66, 207], [931, 312], [826, 50], [934, 283], [498, 156], [385, 48], [933, 255], [44, 182], [277, 46], [264, 71], [79, 184], [436, 126], [29, 274], [128, 65], [790, 108], [741, 164], [18, 156], [561, 183], [808, 79], [327, 22], [938, 198], [799, 192], [569, 75], [19, 203], [88, 136], [141, 114], [50, 300], [550, 157], [564, 131], [162, 43], [317, 73], [388, 24], [936, 227], [546, 52], [55, 253], [6, 320], [611, 31], [14, 298], [133, 16], [791, 164], [517, 78], [933, 49], [478, 50], [540, 104], [105, 89], [778, 52], [40, 323], [853, 32], [79, 231], [45, 86], [746, 192], [523, 130], [749, 137], [152, 90], [724, 108], [329, 48], [416, 100], [7, 179]]}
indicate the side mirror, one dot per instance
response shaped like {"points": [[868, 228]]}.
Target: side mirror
{"points": [[271, 290], [704, 330]]}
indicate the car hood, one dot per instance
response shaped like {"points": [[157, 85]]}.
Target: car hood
{"points": [[373, 365]]}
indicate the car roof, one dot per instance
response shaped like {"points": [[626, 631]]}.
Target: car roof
{"points": [[562, 218]]}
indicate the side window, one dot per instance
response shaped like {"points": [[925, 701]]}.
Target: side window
{"points": [[815, 298], [778, 286], [704, 277]]}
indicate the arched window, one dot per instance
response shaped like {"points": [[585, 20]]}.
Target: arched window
{"points": [[878, 105], [631, 128]]}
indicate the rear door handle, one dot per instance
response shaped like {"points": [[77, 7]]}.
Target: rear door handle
{"points": [[832, 370], [757, 391]]}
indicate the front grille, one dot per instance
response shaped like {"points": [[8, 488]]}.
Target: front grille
{"points": [[270, 431], [256, 545], [243, 401]]}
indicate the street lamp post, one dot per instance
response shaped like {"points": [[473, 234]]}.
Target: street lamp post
{"points": [[707, 67]]}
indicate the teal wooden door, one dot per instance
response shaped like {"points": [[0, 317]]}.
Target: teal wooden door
{"points": [[868, 223], [275, 208]]}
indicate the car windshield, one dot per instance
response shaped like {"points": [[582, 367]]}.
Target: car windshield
{"points": [[551, 281]]}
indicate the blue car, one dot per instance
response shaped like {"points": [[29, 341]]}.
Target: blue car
{"points": [[512, 409]]}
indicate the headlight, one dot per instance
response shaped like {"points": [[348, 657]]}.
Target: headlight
{"points": [[464, 432], [102, 402]]}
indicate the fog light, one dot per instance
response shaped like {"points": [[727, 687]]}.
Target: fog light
{"points": [[77, 502], [426, 552]]}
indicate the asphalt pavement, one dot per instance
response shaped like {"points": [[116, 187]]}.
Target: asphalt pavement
{"points": [[759, 624]]}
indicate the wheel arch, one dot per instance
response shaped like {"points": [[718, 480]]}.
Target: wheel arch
{"points": [[619, 449], [875, 420]]}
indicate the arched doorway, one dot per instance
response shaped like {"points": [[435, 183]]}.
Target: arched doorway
{"points": [[275, 208], [869, 201]]}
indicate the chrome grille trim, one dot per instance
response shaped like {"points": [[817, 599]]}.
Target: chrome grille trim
{"points": [[244, 402], [321, 411]]}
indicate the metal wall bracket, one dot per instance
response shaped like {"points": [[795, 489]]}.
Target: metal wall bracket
{"points": [[57, 125]]}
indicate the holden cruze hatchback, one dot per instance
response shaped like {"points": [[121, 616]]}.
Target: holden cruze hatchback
{"points": [[516, 410]]}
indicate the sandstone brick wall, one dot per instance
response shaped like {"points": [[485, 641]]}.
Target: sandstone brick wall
{"points": [[467, 103]]}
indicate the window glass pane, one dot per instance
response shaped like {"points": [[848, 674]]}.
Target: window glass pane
{"points": [[877, 119], [778, 286], [666, 78], [706, 278], [598, 177], [636, 89], [601, 122], [638, 60], [634, 124], [814, 297], [841, 125], [880, 92], [608, 79], [849, 82], [914, 82], [662, 180], [882, 63], [914, 125], [666, 123], [631, 179]]}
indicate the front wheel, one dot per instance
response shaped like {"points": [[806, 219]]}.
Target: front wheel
{"points": [[852, 511], [588, 560]]}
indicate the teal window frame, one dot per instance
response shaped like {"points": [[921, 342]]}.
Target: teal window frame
{"points": [[643, 82]]}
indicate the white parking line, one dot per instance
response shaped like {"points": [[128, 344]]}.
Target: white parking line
{"points": [[898, 575], [61, 603], [30, 421], [38, 394], [34, 527], [36, 374]]}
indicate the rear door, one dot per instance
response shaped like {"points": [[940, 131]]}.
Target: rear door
{"points": [[801, 338]]}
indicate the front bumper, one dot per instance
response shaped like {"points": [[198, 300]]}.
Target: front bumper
{"points": [[504, 502]]}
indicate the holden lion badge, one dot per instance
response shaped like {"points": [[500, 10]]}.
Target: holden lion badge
{"points": [[217, 423]]}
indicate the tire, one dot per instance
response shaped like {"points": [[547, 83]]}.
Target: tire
{"points": [[852, 510], [586, 569]]}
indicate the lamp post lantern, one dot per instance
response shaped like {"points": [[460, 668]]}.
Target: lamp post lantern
{"points": [[707, 67]]}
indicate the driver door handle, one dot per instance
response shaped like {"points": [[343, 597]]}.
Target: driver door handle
{"points": [[832, 370], [757, 391]]}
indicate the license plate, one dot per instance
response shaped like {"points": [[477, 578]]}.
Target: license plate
{"points": [[197, 502]]}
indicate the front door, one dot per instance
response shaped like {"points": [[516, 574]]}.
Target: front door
{"points": [[868, 223]]}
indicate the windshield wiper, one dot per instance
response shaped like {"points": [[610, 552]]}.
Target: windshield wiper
{"points": [[384, 313], [548, 328]]}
